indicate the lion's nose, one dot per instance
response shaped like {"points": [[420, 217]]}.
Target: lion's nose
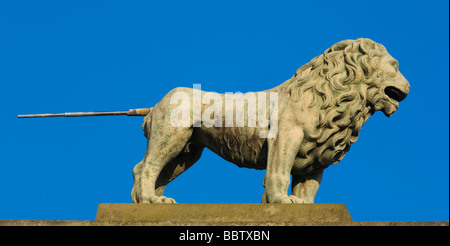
{"points": [[407, 86], [404, 85]]}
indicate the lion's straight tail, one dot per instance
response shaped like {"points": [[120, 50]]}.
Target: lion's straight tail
{"points": [[131, 112]]}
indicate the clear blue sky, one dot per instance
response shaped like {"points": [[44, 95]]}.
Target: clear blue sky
{"points": [[63, 56]]}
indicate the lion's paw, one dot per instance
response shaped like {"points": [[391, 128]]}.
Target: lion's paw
{"points": [[288, 199], [161, 199]]}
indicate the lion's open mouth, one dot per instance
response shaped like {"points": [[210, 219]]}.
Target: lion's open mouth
{"points": [[395, 93]]}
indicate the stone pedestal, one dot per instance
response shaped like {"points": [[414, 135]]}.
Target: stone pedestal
{"points": [[224, 214]]}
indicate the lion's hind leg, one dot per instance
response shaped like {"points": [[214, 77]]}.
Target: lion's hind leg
{"points": [[137, 180], [190, 154], [164, 146]]}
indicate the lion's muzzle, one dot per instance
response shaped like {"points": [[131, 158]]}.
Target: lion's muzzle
{"points": [[394, 94]]}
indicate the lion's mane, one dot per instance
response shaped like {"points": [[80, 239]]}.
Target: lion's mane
{"points": [[340, 82]]}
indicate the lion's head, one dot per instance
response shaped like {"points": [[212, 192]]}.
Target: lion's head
{"points": [[349, 67], [347, 83]]}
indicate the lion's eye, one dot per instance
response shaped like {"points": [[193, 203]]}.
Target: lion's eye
{"points": [[395, 65]]}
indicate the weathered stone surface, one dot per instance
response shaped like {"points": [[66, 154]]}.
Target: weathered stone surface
{"points": [[304, 125], [224, 213]]}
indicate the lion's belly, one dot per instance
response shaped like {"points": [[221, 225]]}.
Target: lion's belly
{"points": [[243, 147], [239, 145]]}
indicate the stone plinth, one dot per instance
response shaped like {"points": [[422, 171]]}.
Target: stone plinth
{"points": [[224, 214]]}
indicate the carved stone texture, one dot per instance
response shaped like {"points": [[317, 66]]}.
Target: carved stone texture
{"points": [[222, 214], [303, 125]]}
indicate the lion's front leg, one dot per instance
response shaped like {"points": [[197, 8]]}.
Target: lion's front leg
{"points": [[282, 151], [306, 188]]}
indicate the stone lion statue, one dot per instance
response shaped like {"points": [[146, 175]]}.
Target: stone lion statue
{"points": [[320, 111]]}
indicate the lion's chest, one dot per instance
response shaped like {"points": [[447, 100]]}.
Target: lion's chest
{"points": [[328, 145], [318, 159]]}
